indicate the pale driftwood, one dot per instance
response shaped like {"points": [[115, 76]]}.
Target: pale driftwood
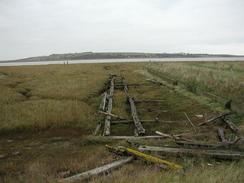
{"points": [[215, 118], [133, 137], [138, 125], [100, 170], [109, 110], [220, 154], [189, 120], [221, 135], [103, 102], [231, 125]]}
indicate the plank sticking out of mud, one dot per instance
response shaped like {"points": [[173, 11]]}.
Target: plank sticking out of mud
{"points": [[109, 110], [219, 154], [96, 171]]}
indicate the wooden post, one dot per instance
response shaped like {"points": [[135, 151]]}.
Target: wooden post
{"points": [[105, 168], [109, 110]]}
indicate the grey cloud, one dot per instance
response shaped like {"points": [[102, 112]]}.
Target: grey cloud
{"points": [[42, 27]]}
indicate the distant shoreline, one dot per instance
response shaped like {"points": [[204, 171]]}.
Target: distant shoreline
{"points": [[121, 60]]}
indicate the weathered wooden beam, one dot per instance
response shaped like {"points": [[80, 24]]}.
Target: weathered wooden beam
{"points": [[143, 121], [103, 102], [220, 154], [138, 125], [134, 137], [97, 171], [147, 157], [109, 108], [221, 135], [215, 118]]}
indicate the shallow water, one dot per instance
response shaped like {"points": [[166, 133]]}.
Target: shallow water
{"points": [[124, 60]]}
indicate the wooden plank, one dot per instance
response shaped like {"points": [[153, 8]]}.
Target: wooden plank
{"points": [[109, 110], [103, 102], [100, 170], [220, 154], [134, 137], [215, 118], [138, 124], [146, 157]]}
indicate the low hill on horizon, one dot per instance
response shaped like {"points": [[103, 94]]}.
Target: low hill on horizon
{"points": [[114, 55]]}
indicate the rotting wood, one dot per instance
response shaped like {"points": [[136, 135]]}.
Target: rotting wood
{"points": [[215, 118], [109, 110], [231, 125], [137, 123], [103, 169], [134, 137], [103, 102], [220, 154], [147, 157], [221, 135]]}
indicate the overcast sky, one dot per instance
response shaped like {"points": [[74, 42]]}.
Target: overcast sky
{"points": [[42, 27]]}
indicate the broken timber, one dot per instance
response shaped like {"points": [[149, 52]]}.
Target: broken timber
{"points": [[138, 125], [146, 157], [109, 109], [103, 102], [96, 171], [231, 125], [220, 154]]}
